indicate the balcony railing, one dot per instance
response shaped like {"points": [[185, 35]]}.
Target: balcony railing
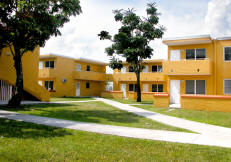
{"points": [[144, 76], [89, 75], [47, 73], [188, 67]]}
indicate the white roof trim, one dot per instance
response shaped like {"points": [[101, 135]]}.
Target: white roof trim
{"points": [[188, 37], [224, 38]]}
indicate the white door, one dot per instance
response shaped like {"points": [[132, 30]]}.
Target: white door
{"points": [[146, 69], [123, 89], [175, 55], [124, 70], [145, 87], [175, 91], [78, 89]]}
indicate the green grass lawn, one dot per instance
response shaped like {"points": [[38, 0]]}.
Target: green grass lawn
{"points": [[124, 101], [215, 118], [55, 99], [94, 112], [21, 141]]}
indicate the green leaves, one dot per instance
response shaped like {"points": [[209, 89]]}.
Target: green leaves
{"points": [[104, 35], [133, 37], [34, 21]]}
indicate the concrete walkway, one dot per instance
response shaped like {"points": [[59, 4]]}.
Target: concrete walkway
{"points": [[216, 132], [139, 133]]}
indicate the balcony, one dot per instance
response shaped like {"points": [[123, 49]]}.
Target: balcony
{"points": [[144, 77], [47, 73], [89, 75], [188, 67]]}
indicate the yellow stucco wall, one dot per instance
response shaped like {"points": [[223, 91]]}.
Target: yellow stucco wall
{"points": [[208, 104], [65, 68], [112, 94], [30, 72], [161, 101]]}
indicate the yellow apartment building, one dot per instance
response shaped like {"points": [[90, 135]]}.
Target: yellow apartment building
{"points": [[32, 90], [64, 76]]}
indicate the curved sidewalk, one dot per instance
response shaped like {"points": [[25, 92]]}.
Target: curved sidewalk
{"points": [[140, 133], [208, 130]]}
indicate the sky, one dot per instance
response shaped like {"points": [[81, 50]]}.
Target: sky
{"points": [[180, 18]]}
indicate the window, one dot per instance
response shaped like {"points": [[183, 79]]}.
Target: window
{"points": [[227, 53], [195, 87], [40, 65], [227, 86], [109, 86], [88, 68], [78, 67], [157, 88], [133, 87], [157, 68], [40, 82], [49, 85], [87, 85], [131, 69], [49, 64], [195, 54]]}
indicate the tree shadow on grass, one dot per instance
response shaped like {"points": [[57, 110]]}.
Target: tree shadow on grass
{"points": [[93, 116], [35, 106], [18, 129]]}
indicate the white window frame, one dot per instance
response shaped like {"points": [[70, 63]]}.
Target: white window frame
{"points": [[50, 64], [195, 58], [195, 87], [157, 69], [224, 54], [224, 87], [41, 65], [78, 67], [158, 87]]}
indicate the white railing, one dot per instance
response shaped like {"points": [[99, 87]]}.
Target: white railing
{"points": [[5, 91]]}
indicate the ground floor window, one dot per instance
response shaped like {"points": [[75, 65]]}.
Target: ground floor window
{"points": [[133, 87], [49, 85], [195, 87], [227, 86], [87, 85], [157, 88], [109, 86]]}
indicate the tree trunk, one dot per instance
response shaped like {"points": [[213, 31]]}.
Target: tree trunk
{"points": [[15, 101], [138, 86]]}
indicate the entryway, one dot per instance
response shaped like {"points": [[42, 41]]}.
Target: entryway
{"points": [[78, 89], [175, 94], [123, 89]]}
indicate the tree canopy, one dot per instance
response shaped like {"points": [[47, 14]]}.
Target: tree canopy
{"points": [[133, 39], [29, 23]]}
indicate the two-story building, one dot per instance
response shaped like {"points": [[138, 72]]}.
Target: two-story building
{"points": [[32, 90], [64, 76]]}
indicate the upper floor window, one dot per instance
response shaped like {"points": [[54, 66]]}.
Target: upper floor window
{"points": [[50, 64], [227, 53], [227, 86], [157, 68], [195, 54], [78, 67], [40, 64], [157, 88], [131, 69], [88, 68], [49, 85], [195, 87]]}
